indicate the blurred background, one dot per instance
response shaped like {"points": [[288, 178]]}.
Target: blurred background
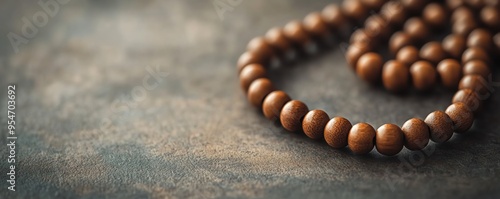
{"points": [[137, 99]]}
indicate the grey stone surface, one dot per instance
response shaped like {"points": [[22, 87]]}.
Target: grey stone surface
{"points": [[89, 127]]}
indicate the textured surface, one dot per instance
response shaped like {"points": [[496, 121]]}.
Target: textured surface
{"points": [[89, 127]]}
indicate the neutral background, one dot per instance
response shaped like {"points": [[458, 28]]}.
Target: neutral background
{"points": [[86, 130]]}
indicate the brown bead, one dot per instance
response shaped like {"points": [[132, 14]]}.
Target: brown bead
{"points": [[315, 26], [377, 27], [489, 16], [461, 116], [492, 3], [361, 37], [462, 12], [454, 45], [389, 139], [394, 13], [258, 90], [474, 82], [475, 53], [408, 55], [464, 26], [333, 16], [414, 5], [476, 4], [435, 15], [450, 72], [454, 4], [468, 97], [249, 74], [399, 40], [416, 28], [354, 10], [296, 33], [369, 67], [440, 126], [354, 52], [476, 67], [291, 115], [360, 138], [373, 4], [273, 103], [314, 123], [336, 132], [416, 133], [248, 58], [423, 75], [395, 76], [260, 46], [277, 39], [480, 38], [432, 52]]}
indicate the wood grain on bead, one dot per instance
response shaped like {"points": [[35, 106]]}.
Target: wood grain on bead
{"points": [[248, 58], [432, 52], [259, 46], [399, 40], [354, 52], [468, 97], [251, 73], [258, 90], [450, 72], [337, 131], [292, 114], [416, 28], [476, 83], [454, 45], [369, 67], [416, 133], [474, 53], [314, 124], [423, 75], [273, 103], [277, 39], [361, 138], [476, 67], [408, 55], [440, 126], [389, 139], [395, 76], [461, 116]]}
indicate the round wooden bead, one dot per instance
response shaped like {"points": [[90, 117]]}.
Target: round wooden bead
{"points": [[333, 16], [461, 116], [408, 55], [369, 67], [296, 33], [468, 97], [476, 67], [454, 45], [414, 5], [314, 124], [315, 26], [389, 139], [354, 52], [440, 126], [355, 10], [394, 13], [251, 73], [416, 28], [248, 58], [361, 37], [423, 75], [432, 52], [395, 76], [416, 133], [260, 46], [373, 4], [360, 138], [460, 13], [489, 16], [464, 26], [336, 132], [377, 27], [454, 4], [450, 72], [291, 115], [277, 39], [480, 38], [273, 103], [258, 90], [474, 82], [435, 15], [399, 40], [474, 53]]}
